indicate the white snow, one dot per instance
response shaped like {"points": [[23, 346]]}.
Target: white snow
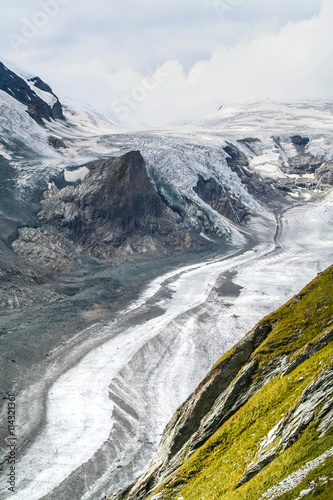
{"points": [[271, 117], [25, 75], [4, 153], [75, 175], [45, 96], [196, 328], [267, 165], [16, 124], [87, 119], [70, 419], [155, 365]]}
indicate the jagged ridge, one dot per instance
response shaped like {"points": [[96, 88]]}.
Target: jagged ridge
{"points": [[264, 411], [18, 88]]}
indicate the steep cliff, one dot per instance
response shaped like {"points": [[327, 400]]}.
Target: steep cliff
{"points": [[260, 425]]}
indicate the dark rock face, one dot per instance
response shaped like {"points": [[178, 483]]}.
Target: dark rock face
{"points": [[304, 164], [300, 141], [235, 158], [259, 188], [16, 87], [309, 164], [115, 212], [220, 200], [56, 143], [56, 108], [262, 188]]}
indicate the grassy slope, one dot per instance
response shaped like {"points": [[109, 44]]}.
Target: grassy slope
{"points": [[214, 470]]}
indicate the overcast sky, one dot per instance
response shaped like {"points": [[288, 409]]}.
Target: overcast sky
{"points": [[151, 63]]}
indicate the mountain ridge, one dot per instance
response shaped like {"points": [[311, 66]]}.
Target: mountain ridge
{"points": [[236, 209], [268, 357], [42, 104]]}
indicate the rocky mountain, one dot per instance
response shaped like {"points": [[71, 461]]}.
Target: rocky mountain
{"points": [[120, 253], [112, 213], [42, 103], [260, 425]]}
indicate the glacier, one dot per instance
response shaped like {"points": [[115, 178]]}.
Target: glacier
{"points": [[112, 389], [125, 390]]}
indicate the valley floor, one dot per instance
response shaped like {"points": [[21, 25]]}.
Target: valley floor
{"points": [[107, 406]]}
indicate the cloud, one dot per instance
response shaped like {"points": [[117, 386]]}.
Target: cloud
{"points": [[294, 63], [153, 64]]}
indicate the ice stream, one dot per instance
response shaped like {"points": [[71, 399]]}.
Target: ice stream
{"points": [[153, 367]]}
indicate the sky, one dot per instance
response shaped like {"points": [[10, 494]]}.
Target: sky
{"points": [[155, 63]]}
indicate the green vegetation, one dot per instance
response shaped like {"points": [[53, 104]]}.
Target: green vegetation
{"points": [[321, 479], [225, 356], [214, 470], [300, 321]]}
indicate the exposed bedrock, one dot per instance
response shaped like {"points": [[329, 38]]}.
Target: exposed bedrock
{"points": [[115, 212], [38, 109], [269, 352], [221, 200]]}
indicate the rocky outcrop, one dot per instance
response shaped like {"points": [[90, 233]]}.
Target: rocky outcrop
{"points": [[108, 210], [56, 143], [113, 213], [221, 200], [235, 159], [271, 352], [304, 164], [299, 141], [56, 108], [45, 246], [316, 403], [216, 399], [261, 189], [18, 88]]}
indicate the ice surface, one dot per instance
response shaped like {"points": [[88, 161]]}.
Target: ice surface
{"points": [[197, 326], [4, 153], [16, 125], [266, 117], [154, 366]]}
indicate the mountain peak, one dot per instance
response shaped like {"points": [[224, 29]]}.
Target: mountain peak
{"points": [[31, 91]]}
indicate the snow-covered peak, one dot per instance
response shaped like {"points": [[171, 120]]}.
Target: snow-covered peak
{"points": [[86, 117], [31, 91], [271, 117], [22, 73], [47, 97]]}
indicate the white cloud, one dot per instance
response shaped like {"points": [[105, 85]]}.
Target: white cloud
{"points": [[148, 65], [294, 63]]}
